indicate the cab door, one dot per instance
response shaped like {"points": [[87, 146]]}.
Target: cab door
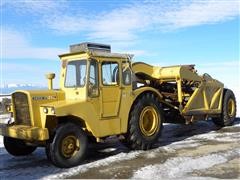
{"points": [[110, 89]]}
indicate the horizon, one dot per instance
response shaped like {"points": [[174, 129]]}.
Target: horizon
{"points": [[166, 32]]}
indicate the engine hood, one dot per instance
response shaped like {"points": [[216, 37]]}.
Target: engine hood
{"points": [[35, 99], [43, 96]]}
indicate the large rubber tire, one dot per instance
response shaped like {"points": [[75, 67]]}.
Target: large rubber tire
{"points": [[69, 146], [228, 110], [92, 140], [17, 147], [47, 151], [138, 137]]}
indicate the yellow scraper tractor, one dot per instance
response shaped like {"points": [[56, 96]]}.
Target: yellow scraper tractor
{"points": [[103, 94]]}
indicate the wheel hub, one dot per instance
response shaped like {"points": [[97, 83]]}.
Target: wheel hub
{"points": [[231, 108], [70, 145], [149, 121]]}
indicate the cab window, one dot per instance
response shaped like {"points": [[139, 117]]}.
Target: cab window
{"points": [[76, 73], [110, 73], [126, 74], [93, 79]]}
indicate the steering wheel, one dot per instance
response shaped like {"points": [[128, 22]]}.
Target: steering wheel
{"points": [[93, 79]]}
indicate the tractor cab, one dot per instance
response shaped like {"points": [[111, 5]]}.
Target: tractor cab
{"points": [[79, 74], [90, 68]]}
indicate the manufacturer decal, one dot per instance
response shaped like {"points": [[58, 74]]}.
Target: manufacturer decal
{"points": [[42, 98]]}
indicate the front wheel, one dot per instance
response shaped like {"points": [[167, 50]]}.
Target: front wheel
{"points": [[228, 110], [17, 147], [145, 123], [68, 147]]}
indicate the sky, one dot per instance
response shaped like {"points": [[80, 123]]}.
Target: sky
{"points": [[165, 32]]}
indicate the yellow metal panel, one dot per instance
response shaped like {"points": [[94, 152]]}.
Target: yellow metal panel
{"points": [[179, 90], [127, 99], [163, 73], [144, 89], [202, 111], [77, 56], [144, 68], [109, 126], [37, 98], [110, 100], [187, 74], [86, 110], [216, 99], [205, 99], [24, 132]]}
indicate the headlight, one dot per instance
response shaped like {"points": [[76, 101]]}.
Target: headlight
{"points": [[52, 110], [45, 110]]}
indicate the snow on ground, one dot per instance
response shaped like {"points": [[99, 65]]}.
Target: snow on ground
{"points": [[1, 141], [102, 162], [4, 118], [181, 150], [179, 166]]}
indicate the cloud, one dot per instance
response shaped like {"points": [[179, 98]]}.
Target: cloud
{"points": [[202, 12], [136, 52], [227, 72], [14, 67], [219, 65], [66, 24], [15, 45], [124, 23], [36, 7]]}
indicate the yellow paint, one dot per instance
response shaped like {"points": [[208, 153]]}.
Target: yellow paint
{"points": [[50, 78], [149, 121], [206, 99], [70, 145], [231, 108], [170, 73], [29, 133], [106, 112]]}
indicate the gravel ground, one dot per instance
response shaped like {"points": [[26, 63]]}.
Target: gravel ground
{"points": [[200, 150]]}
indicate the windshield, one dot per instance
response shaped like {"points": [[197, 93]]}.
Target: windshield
{"points": [[76, 73]]}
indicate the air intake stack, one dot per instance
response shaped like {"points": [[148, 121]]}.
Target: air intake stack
{"points": [[88, 46]]}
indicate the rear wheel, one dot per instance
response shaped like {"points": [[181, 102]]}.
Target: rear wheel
{"points": [[17, 147], [68, 147], [145, 123], [228, 110]]}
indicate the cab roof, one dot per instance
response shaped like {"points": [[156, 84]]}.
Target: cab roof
{"points": [[95, 50], [100, 54]]}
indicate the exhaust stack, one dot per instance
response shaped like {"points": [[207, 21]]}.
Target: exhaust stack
{"points": [[50, 77]]}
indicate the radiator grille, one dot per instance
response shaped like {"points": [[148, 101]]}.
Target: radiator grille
{"points": [[22, 113]]}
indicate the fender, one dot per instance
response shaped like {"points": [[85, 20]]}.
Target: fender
{"points": [[141, 90], [81, 109]]}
